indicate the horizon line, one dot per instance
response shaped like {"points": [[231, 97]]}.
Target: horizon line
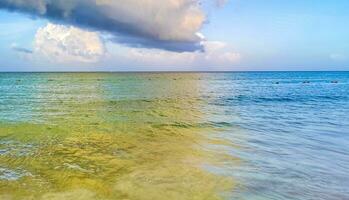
{"points": [[173, 71]]}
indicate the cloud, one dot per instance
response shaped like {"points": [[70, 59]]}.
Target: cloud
{"points": [[67, 44], [220, 3], [165, 24], [338, 57], [19, 49], [215, 54], [71, 46]]}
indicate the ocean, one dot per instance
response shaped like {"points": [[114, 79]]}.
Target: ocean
{"points": [[232, 135]]}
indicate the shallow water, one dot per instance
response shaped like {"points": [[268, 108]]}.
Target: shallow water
{"points": [[275, 135]]}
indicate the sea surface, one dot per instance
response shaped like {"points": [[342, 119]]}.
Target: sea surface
{"points": [[174, 136]]}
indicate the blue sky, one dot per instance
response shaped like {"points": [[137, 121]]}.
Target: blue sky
{"points": [[251, 34]]}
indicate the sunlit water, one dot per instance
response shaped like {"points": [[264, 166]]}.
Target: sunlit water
{"points": [[161, 136]]}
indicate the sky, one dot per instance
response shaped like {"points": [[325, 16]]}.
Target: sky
{"points": [[174, 35]]}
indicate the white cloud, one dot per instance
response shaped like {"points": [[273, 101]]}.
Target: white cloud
{"points": [[71, 46], [66, 44]]}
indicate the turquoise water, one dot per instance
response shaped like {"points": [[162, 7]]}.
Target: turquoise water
{"points": [[255, 135]]}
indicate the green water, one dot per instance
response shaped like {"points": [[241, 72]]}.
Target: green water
{"points": [[109, 136]]}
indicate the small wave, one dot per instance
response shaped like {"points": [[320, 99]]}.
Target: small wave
{"points": [[248, 99], [12, 175], [13, 148], [201, 125]]}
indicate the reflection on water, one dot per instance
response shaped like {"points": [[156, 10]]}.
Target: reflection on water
{"points": [[109, 136]]}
